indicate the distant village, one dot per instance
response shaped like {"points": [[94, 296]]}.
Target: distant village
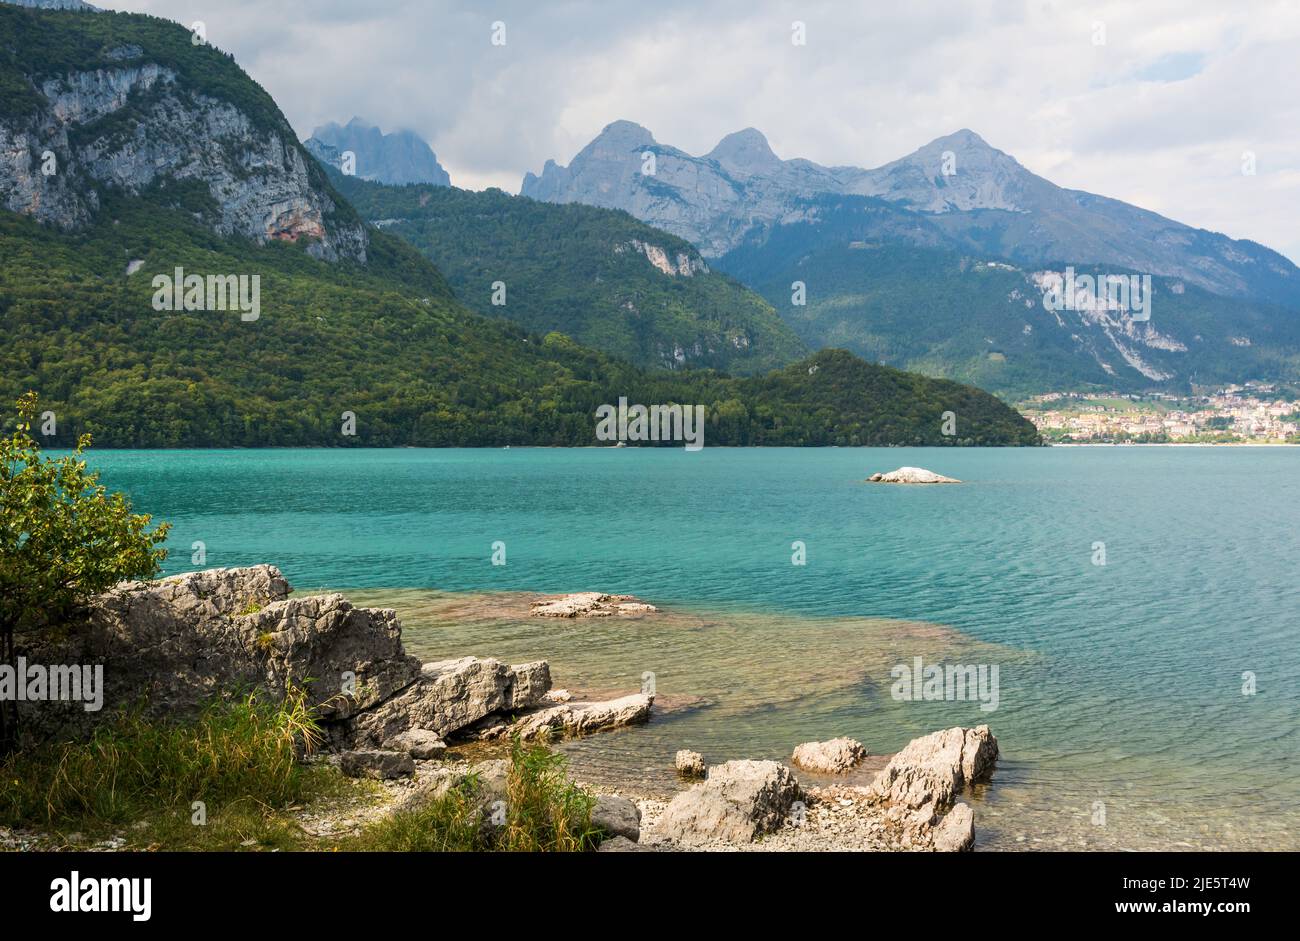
{"points": [[1256, 413]]}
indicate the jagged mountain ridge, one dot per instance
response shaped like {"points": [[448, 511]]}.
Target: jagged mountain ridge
{"points": [[399, 157], [988, 203]]}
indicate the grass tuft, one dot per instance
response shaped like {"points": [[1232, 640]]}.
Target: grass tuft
{"points": [[544, 812], [133, 767]]}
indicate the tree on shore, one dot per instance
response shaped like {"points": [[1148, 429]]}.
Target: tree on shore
{"points": [[63, 539]]}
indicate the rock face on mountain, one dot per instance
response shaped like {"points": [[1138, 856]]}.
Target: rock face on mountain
{"points": [[399, 157], [134, 118], [961, 194]]}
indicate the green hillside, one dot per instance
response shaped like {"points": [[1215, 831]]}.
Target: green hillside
{"points": [[385, 341], [576, 269], [378, 333], [980, 320]]}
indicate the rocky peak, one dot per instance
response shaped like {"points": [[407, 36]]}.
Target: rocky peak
{"points": [[716, 199], [710, 200], [745, 153], [619, 134], [398, 157], [959, 171]]}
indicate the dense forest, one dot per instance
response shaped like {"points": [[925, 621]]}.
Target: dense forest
{"points": [[385, 341], [578, 269]]}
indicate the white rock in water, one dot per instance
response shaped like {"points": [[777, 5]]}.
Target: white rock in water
{"points": [[581, 718], [935, 768], [589, 604], [955, 833], [690, 764], [833, 757], [912, 475]]}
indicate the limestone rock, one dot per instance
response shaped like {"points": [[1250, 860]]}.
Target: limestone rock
{"points": [[739, 802], [429, 784], [352, 656], [451, 694], [617, 816], [833, 757], [911, 475], [180, 641], [934, 768], [263, 185], [418, 743], [621, 844], [583, 718], [589, 604], [955, 833], [690, 764], [382, 765], [493, 778]]}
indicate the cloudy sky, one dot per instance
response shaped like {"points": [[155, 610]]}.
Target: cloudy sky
{"points": [[1152, 102]]}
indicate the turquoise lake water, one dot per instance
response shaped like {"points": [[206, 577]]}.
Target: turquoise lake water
{"points": [[1121, 710]]}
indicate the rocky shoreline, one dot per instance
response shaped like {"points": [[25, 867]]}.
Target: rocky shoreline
{"points": [[412, 728]]}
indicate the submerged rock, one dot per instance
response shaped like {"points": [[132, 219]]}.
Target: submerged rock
{"points": [[739, 802], [911, 475], [833, 757], [690, 764], [932, 769], [955, 833], [589, 604]]}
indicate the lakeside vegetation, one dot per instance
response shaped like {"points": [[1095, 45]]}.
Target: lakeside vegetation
{"points": [[242, 777]]}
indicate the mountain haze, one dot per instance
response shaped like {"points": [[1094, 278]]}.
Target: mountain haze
{"points": [[399, 157]]}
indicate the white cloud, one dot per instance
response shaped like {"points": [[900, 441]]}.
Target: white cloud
{"points": [[872, 84]]}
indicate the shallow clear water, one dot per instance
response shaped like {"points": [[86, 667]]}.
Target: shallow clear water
{"points": [[1119, 684]]}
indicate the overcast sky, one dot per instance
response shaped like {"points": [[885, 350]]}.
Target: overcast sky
{"points": [[1158, 114]]}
